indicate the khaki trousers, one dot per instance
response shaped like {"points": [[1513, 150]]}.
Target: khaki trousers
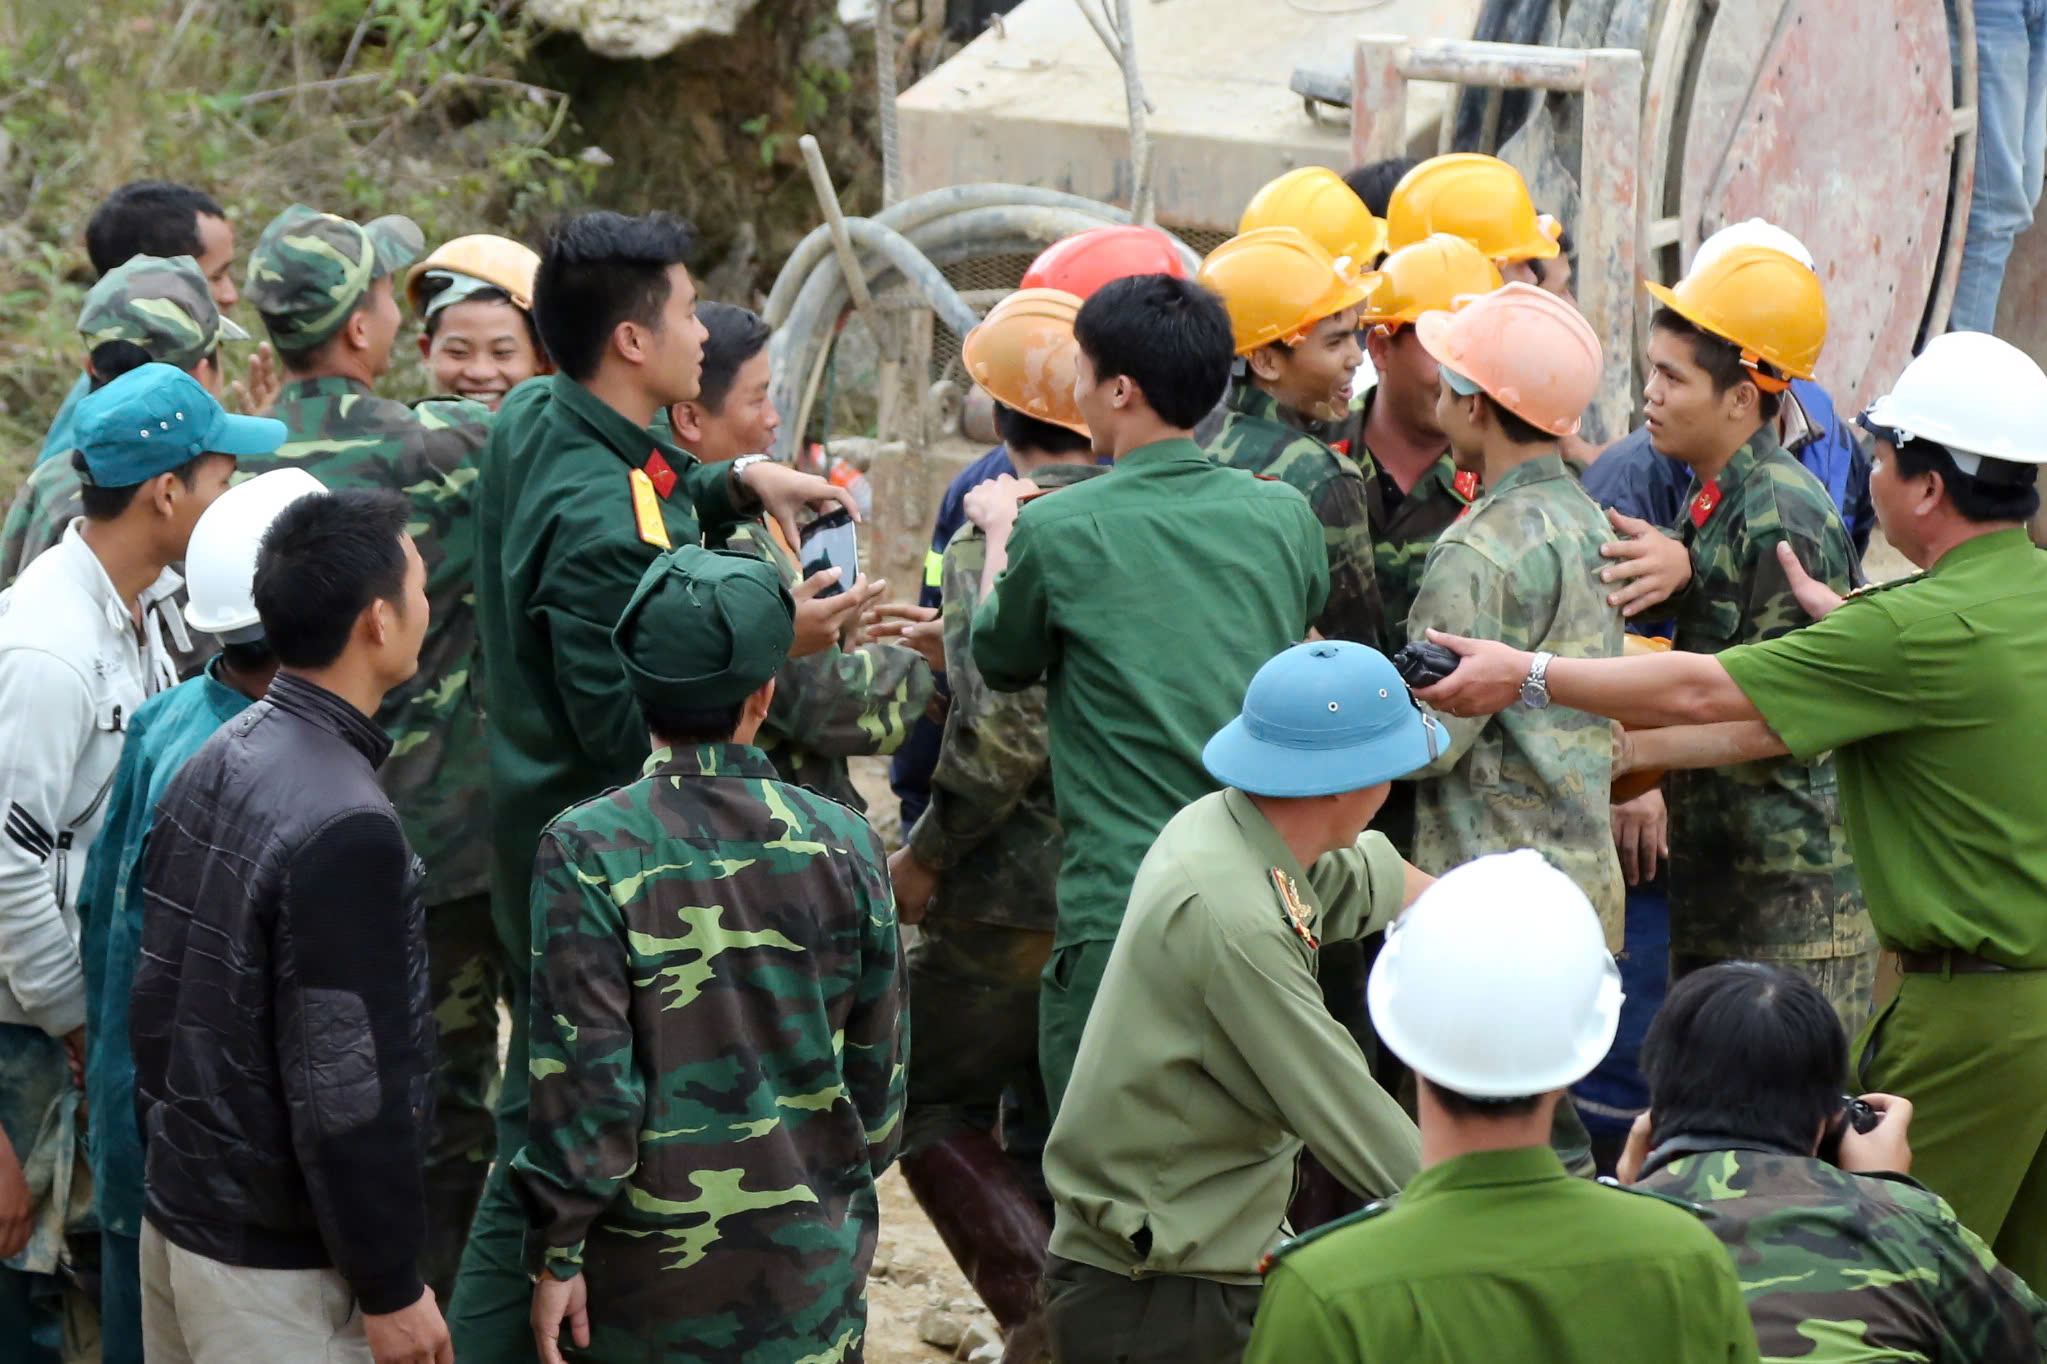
{"points": [[200, 1311]]}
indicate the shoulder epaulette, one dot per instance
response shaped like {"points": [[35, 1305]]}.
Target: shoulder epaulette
{"points": [[1294, 1243], [1695, 1209], [1871, 589]]}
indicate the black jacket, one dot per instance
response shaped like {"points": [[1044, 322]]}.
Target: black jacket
{"points": [[282, 1031]]}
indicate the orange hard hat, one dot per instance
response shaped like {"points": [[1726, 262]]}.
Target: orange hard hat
{"points": [[1084, 262], [1432, 273], [1277, 282], [1479, 198], [1317, 201], [1024, 354], [497, 261], [1763, 301], [1533, 353]]}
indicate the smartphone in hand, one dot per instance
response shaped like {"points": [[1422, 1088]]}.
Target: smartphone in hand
{"points": [[832, 541]]}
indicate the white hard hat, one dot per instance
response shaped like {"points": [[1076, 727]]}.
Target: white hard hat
{"points": [[1978, 396], [1496, 982], [220, 561], [1753, 232]]}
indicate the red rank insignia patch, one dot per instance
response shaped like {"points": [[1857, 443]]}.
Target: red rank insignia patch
{"points": [[1705, 502], [1465, 485], [1341, 447], [658, 472]]}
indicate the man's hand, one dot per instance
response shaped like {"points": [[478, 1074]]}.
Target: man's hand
{"points": [[1628, 1168], [914, 884], [257, 394], [784, 491], [17, 1208], [1652, 565], [1641, 834], [559, 1302], [821, 620], [992, 504], [1884, 1148], [917, 627], [411, 1335], [74, 1055], [1487, 679], [1812, 594]]}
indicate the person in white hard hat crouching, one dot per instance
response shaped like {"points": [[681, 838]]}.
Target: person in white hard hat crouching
{"points": [[220, 570], [1496, 987]]}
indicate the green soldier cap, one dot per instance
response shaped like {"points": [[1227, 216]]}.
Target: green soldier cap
{"points": [[162, 305], [705, 629], [310, 270]]}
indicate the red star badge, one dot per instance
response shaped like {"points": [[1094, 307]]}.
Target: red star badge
{"points": [[660, 474]]}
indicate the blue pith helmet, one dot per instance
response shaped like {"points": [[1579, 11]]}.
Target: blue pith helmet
{"points": [[1320, 718]]}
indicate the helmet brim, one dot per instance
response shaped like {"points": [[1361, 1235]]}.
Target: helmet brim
{"points": [[1235, 757]]}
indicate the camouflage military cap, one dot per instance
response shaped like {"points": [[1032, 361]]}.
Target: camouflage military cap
{"points": [[310, 270], [162, 305], [704, 628]]}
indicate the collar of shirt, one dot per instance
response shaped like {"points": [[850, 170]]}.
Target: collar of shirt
{"points": [[710, 760], [1247, 398], [326, 386], [1753, 450], [314, 704], [1999, 544], [1485, 1170], [155, 606], [1269, 848], [1538, 470], [1173, 450], [613, 429]]}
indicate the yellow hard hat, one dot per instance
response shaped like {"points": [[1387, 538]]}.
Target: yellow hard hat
{"points": [[1277, 282], [497, 261], [1760, 299], [1315, 199], [1479, 198], [1432, 273], [1024, 354]]}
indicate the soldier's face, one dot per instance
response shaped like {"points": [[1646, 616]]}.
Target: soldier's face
{"points": [[745, 424], [1686, 418], [1314, 376], [1408, 379], [677, 356], [480, 350], [381, 320], [217, 260]]}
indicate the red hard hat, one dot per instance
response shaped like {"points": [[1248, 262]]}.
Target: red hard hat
{"points": [[1084, 262]]}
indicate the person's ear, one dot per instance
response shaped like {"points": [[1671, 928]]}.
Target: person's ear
{"points": [[756, 707], [1266, 362], [687, 420], [377, 623], [161, 494], [1124, 393], [356, 330], [631, 341], [1744, 401], [1379, 348], [426, 346]]}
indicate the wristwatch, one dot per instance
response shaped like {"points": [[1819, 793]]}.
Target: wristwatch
{"points": [[1535, 687], [739, 488]]}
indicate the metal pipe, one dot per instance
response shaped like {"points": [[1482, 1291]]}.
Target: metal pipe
{"points": [[1967, 119], [1133, 97], [885, 89], [835, 219]]}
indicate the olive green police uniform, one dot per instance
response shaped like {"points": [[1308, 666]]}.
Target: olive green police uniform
{"points": [[1502, 1255], [1932, 694]]}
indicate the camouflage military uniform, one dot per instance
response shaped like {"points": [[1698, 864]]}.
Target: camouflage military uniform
{"points": [[1522, 568], [718, 1044], [1261, 437], [438, 773], [992, 834], [47, 501], [1759, 860], [836, 703], [1841, 1268], [1405, 528]]}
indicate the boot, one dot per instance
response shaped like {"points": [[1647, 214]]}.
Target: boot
{"points": [[987, 1219]]}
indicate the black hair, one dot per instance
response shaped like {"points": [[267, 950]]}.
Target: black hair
{"points": [[324, 559], [1170, 336], [106, 504], [1567, 252], [1022, 431], [1374, 182], [601, 269], [688, 728], [1748, 1051], [1461, 1105], [736, 336], [1974, 498], [147, 218], [249, 656], [1517, 429], [109, 360], [488, 294], [1721, 359]]}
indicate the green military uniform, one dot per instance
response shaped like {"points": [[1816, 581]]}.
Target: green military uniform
{"points": [[1209, 1062], [1842, 1268], [573, 501], [718, 1029], [991, 832], [1759, 863], [307, 274], [1931, 693], [1145, 599], [1522, 568], [836, 703], [1261, 437], [1502, 1255]]}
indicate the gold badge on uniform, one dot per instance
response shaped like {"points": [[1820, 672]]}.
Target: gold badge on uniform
{"points": [[647, 510], [1297, 916]]}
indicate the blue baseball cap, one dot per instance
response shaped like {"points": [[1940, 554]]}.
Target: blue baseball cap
{"points": [[1320, 718], [156, 418]]}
